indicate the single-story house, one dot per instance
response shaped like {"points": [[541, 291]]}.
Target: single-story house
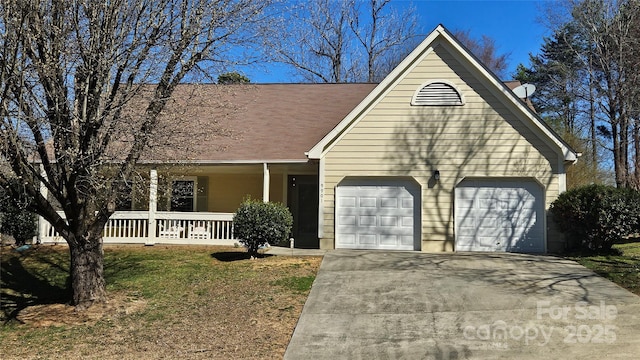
{"points": [[439, 156]]}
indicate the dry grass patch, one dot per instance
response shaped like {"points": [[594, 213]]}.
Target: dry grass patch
{"points": [[165, 302]]}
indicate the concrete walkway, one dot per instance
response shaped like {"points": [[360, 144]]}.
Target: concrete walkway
{"points": [[283, 251], [408, 305]]}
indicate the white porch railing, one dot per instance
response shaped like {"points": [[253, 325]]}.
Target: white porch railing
{"points": [[188, 228]]}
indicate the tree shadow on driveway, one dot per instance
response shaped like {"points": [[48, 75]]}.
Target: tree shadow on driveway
{"points": [[524, 274]]}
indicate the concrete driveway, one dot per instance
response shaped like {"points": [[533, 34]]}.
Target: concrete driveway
{"points": [[408, 305]]}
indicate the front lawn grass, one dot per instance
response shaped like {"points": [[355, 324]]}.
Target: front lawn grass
{"points": [[192, 302], [622, 266]]}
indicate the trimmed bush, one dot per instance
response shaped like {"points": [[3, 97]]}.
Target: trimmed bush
{"points": [[17, 222], [257, 223], [597, 216]]}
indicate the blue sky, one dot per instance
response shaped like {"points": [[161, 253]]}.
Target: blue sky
{"points": [[513, 24]]}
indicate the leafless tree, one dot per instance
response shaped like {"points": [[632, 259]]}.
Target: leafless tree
{"points": [[338, 41], [70, 73], [382, 32], [316, 41], [605, 38], [485, 50], [611, 29]]}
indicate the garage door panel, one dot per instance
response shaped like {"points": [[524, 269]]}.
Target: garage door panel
{"points": [[489, 228], [346, 220], [407, 240], [490, 241], [527, 246], [388, 240], [367, 202], [367, 239], [488, 222], [349, 201], [465, 203], [389, 203], [464, 232], [348, 239], [523, 223], [489, 204], [386, 221], [383, 210], [395, 212], [472, 243], [368, 220], [499, 216]]}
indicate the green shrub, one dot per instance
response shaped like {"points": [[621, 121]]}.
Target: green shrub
{"points": [[596, 216], [16, 221], [257, 223]]}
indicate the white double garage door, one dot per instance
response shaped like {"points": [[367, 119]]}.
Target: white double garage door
{"points": [[490, 215]]}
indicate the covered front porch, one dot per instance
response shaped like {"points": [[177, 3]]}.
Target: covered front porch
{"points": [[194, 204]]}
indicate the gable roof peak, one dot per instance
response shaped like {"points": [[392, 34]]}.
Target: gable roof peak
{"points": [[482, 72]]}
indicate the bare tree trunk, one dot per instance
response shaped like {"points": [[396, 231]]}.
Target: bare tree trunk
{"points": [[592, 119], [87, 272], [635, 183], [617, 162], [624, 149], [370, 48]]}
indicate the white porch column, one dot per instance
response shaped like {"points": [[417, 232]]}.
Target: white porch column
{"points": [[42, 223], [153, 206], [321, 198], [265, 182]]}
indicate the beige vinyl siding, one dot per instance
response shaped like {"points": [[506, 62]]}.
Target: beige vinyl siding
{"points": [[227, 191], [482, 138]]}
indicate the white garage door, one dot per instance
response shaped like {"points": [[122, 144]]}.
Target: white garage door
{"points": [[494, 215], [377, 214]]}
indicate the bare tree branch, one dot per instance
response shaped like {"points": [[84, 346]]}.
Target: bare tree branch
{"points": [[344, 41]]}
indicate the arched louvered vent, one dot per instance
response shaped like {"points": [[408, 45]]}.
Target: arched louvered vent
{"points": [[437, 93]]}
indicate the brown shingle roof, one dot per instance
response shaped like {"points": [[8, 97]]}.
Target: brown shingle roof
{"points": [[252, 122]]}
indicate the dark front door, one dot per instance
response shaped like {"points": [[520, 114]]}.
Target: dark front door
{"points": [[303, 203]]}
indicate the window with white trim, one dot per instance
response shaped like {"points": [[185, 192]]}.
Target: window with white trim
{"points": [[183, 193], [437, 93]]}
